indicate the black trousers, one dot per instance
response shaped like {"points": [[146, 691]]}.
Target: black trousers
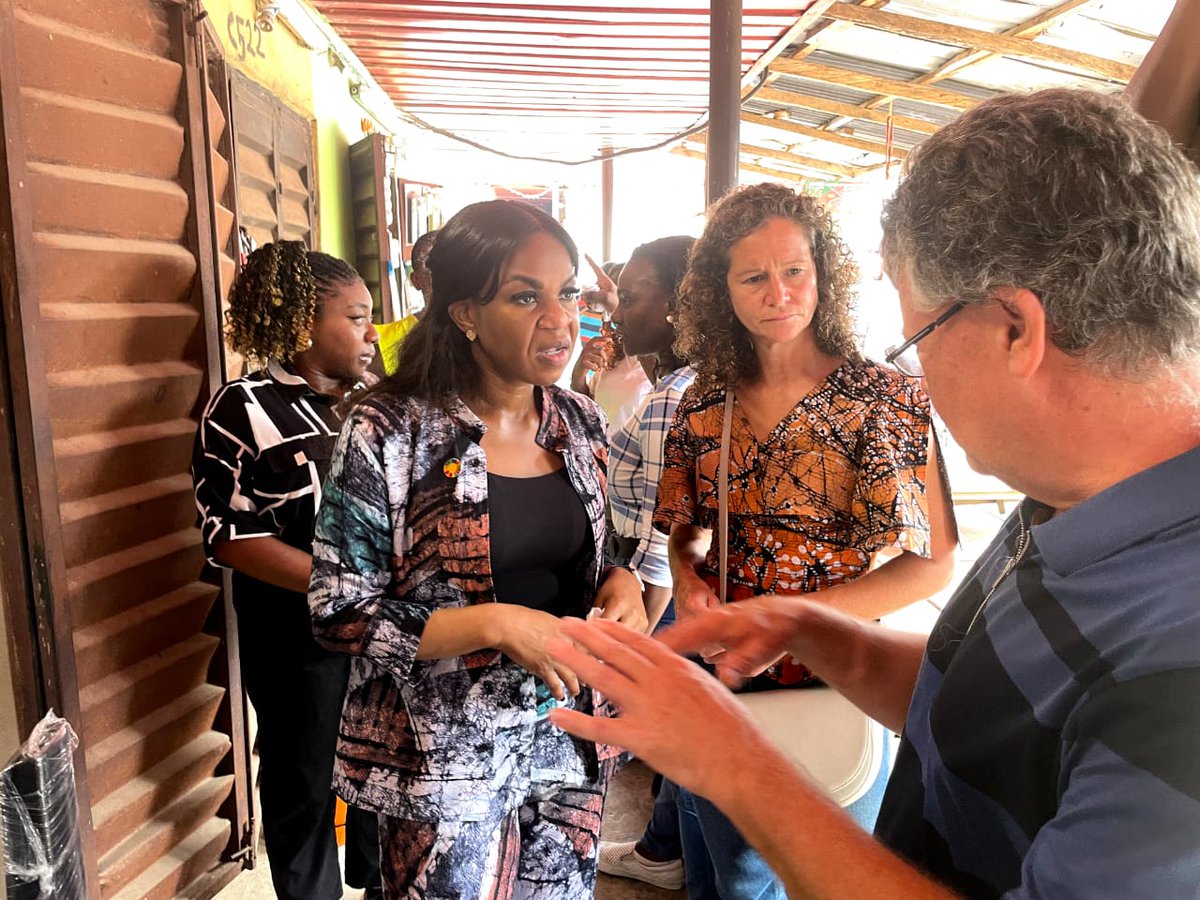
{"points": [[297, 689]]}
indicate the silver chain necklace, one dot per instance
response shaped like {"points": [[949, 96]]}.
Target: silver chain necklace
{"points": [[1023, 541]]}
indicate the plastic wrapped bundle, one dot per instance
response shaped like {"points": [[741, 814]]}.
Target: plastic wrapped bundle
{"points": [[43, 857]]}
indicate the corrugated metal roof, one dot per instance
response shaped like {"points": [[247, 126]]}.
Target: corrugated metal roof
{"points": [[512, 75], [561, 79], [923, 60]]}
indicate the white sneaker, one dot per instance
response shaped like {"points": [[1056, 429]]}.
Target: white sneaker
{"points": [[624, 861]]}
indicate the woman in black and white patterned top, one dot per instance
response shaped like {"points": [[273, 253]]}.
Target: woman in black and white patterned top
{"points": [[263, 446]]}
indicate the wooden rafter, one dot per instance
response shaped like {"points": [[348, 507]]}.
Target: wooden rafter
{"points": [[828, 27], [792, 174], [874, 83], [848, 110], [1030, 28], [809, 162], [972, 38], [824, 165], [817, 134], [800, 27]]}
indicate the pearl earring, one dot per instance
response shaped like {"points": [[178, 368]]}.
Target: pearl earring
{"points": [[471, 335], [670, 319]]}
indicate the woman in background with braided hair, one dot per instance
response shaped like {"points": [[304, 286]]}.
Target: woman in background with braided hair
{"points": [[303, 320]]}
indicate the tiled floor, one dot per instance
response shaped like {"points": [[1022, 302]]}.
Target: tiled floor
{"points": [[629, 798]]}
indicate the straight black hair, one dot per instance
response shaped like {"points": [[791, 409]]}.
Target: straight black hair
{"points": [[466, 263]]}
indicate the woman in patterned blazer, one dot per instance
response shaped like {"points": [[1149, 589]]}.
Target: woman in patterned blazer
{"points": [[463, 517]]}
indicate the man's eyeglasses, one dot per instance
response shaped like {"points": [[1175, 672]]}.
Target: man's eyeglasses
{"points": [[904, 357]]}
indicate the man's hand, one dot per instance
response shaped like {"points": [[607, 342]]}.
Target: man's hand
{"points": [[620, 600], [674, 715], [693, 597], [687, 726], [742, 638]]}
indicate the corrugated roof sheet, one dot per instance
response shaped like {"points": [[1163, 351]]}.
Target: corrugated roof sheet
{"points": [[509, 73], [555, 78]]}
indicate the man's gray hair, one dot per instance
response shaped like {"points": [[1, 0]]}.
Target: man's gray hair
{"points": [[1074, 196]]}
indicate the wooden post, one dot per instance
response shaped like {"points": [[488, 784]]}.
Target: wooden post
{"points": [[724, 97], [606, 204]]}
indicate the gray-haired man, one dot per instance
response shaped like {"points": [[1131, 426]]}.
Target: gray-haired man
{"points": [[1046, 250]]}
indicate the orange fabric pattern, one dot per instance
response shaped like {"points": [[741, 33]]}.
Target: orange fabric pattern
{"points": [[838, 478]]}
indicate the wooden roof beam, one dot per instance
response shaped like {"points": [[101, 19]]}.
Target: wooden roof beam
{"points": [[873, 83], [1030, 28], [701, 137], [972, 38], [817, 134], [809, 162], [828, 27], [692, 153], [847, 110], [801, 27]]}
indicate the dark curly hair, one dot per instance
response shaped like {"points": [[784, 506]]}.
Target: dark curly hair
{"points": [[711, 338], [275, 299]]}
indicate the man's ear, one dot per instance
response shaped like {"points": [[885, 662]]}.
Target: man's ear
{"points": [[1027, 335], [462, 314]]}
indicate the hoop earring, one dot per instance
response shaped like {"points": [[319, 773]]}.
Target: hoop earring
{"points": [[471, 335]]}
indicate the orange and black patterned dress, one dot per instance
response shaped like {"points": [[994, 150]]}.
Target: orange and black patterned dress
{"points": [[838, 478]]}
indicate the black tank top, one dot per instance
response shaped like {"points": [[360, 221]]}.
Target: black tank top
{"points": [[539, 532]]}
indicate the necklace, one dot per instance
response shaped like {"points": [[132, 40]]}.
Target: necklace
{"points": [[1023, 541]]}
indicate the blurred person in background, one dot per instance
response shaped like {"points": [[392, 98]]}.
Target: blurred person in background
{"points": [[616, 380], [392, 334], [648, 292]]}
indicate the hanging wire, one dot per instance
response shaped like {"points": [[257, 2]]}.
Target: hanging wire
{"points": [[889, 137], [699, 125]]}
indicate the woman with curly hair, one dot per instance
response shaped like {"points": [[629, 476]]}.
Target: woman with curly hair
{"points": [[303, 321], [832, 462]]}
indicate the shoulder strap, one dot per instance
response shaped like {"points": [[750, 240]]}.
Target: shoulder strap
{"points": [[723, 493]]}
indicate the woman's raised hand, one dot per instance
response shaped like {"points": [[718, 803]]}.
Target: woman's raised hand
{"points": [[597, 354], [603, 299]]}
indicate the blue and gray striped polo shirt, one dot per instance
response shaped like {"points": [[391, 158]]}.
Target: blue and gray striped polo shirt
{"points": [[1052, 748]]}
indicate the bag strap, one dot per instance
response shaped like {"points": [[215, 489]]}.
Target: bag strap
{"points": [[723, 492]]}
